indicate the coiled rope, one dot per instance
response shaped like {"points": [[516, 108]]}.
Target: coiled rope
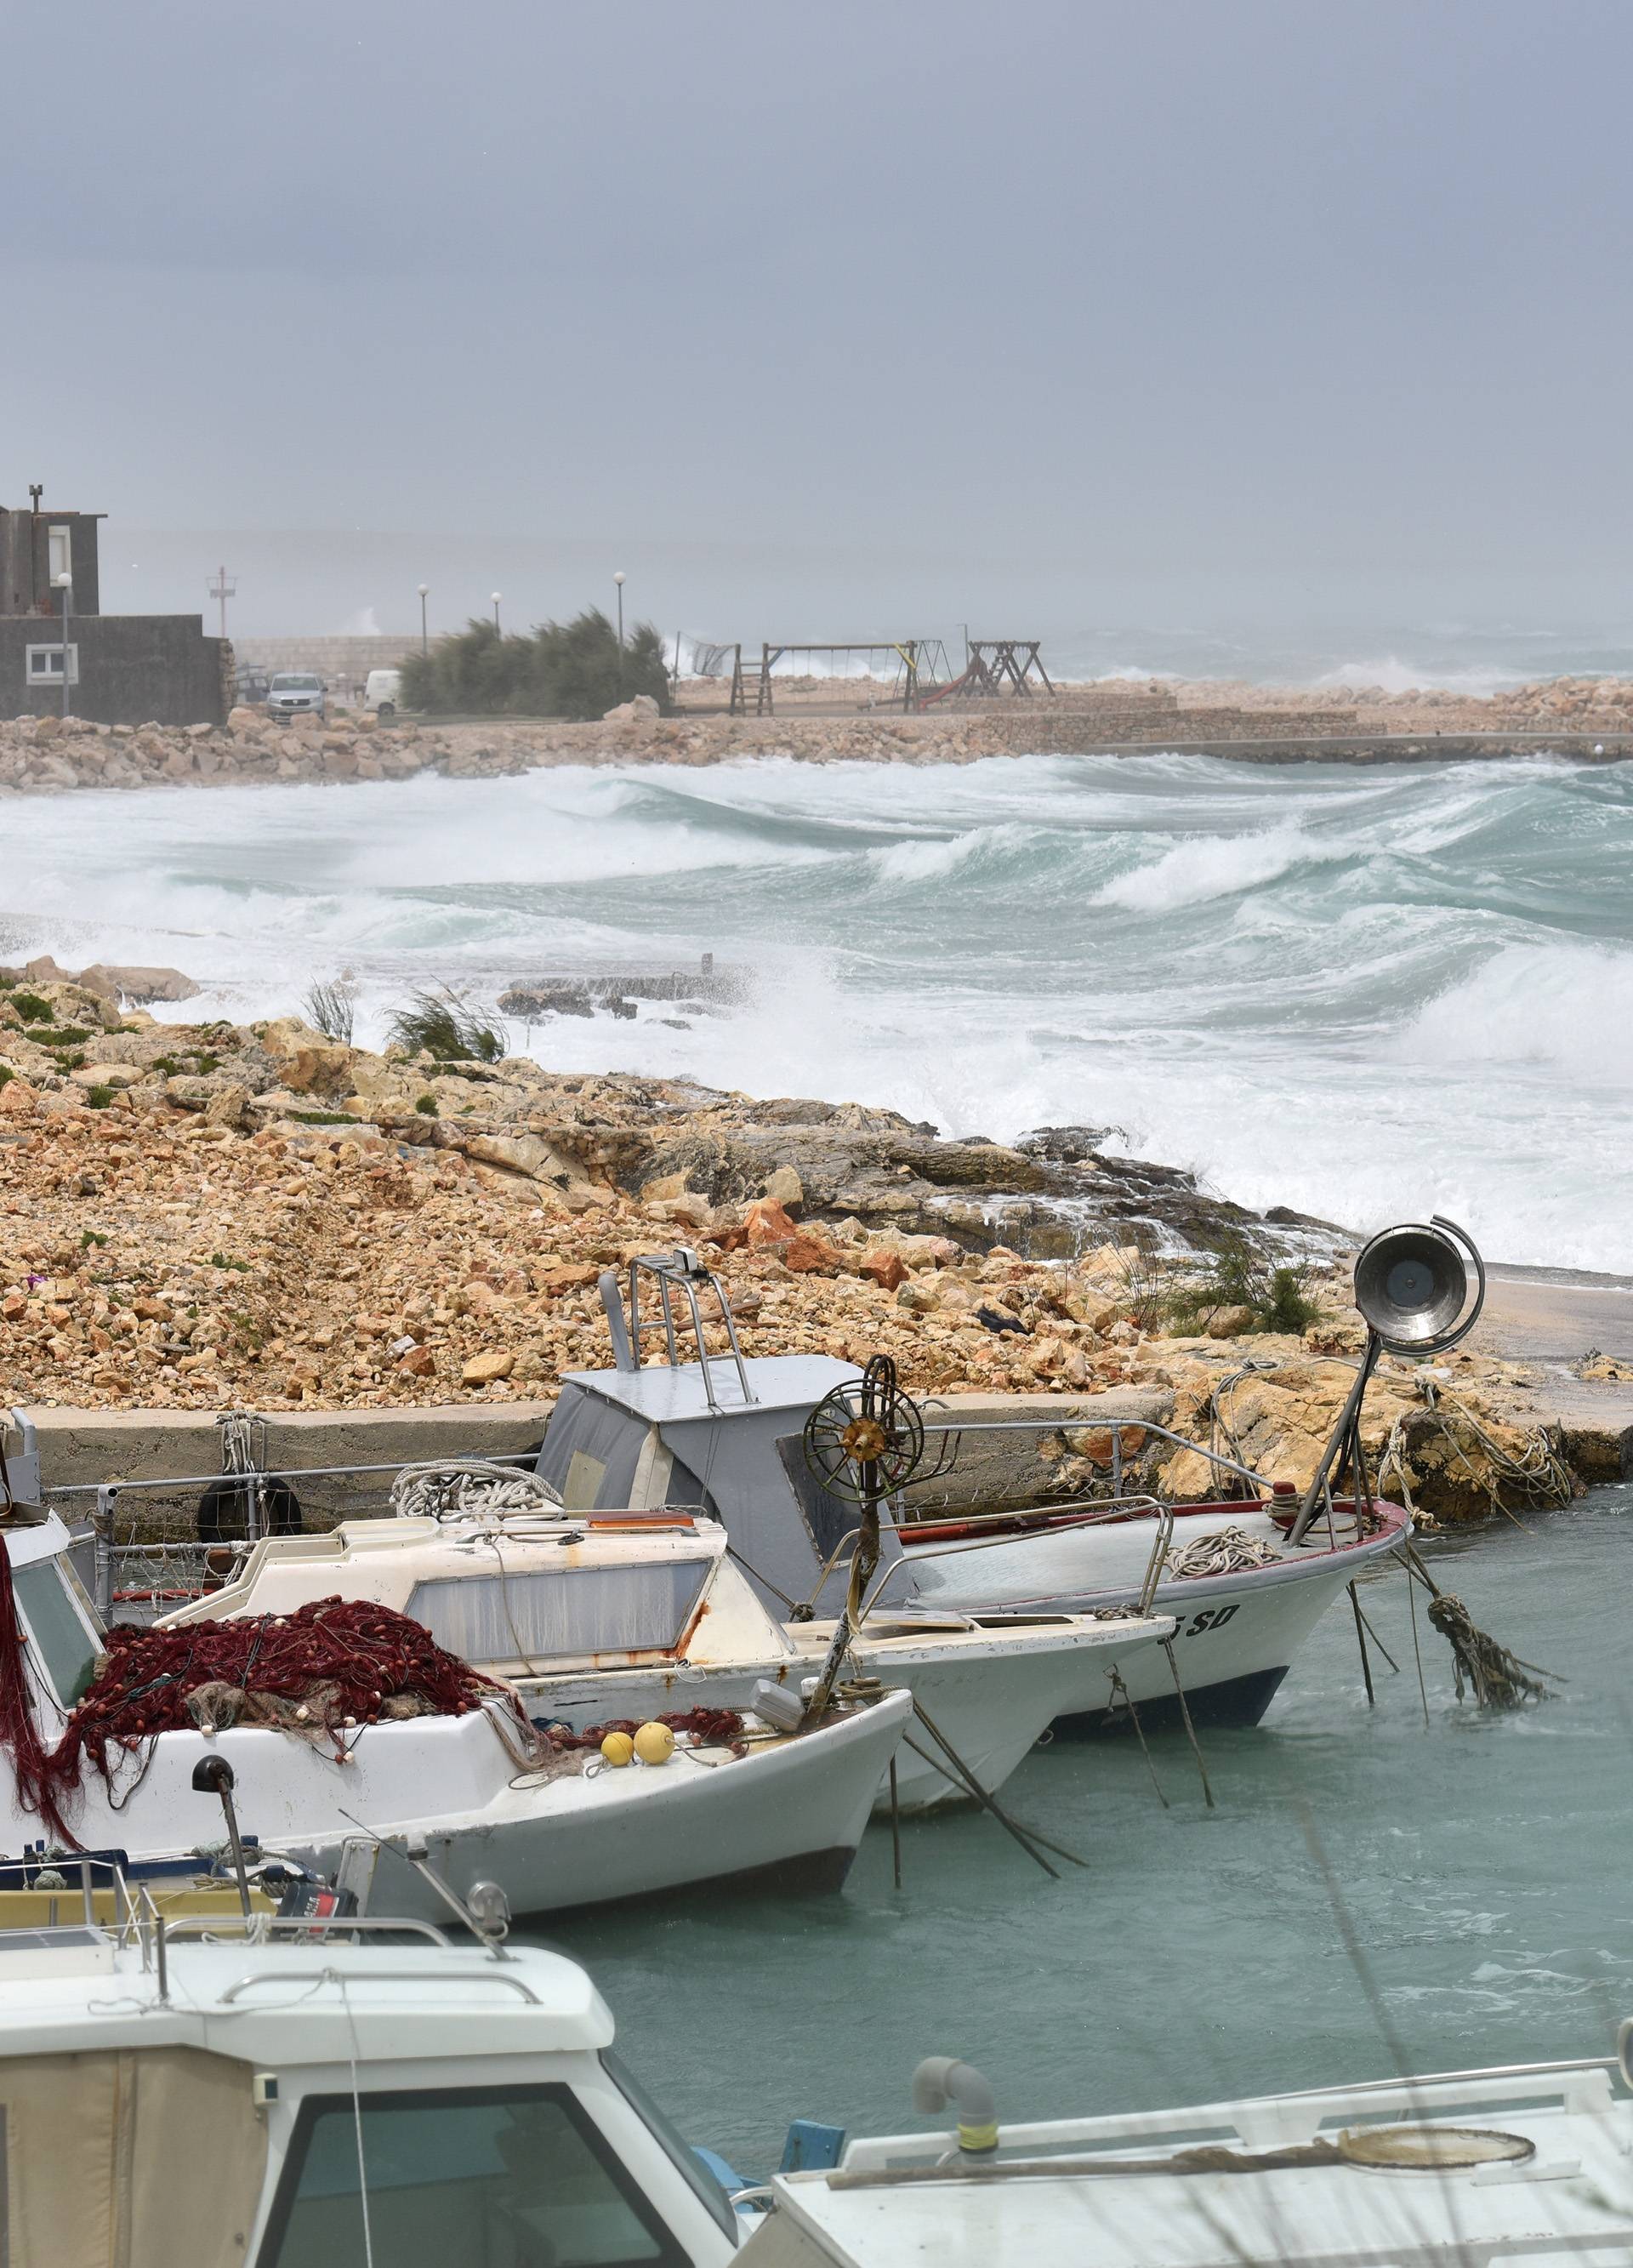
{"points": [[470, 1488], [1227, 1551]]}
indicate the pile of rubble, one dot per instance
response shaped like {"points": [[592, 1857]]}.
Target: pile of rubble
{"points": [[220, 1215]]}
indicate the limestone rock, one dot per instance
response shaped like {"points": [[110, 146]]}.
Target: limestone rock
{"points": [[483, 1369], [784, 1188]]}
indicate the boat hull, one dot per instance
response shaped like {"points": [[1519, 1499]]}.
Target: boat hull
{"points": [[1235, 1636], [792, 1812]]}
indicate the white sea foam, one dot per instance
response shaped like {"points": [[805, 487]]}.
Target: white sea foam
{"points": [[1559, 1007], [1216, 867], [932, 858], [1357, 994], [1390, 674]]}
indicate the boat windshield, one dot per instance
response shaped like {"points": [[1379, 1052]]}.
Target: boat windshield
{"points": [[63, 1639], [463, 2176], [643, 1607]]}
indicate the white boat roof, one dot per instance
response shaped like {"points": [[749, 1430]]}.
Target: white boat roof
{"points": [[659, 1393], [906, 2198], [63, 1990]]}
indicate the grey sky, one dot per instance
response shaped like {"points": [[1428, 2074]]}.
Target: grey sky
{"points": [[823, 321]]}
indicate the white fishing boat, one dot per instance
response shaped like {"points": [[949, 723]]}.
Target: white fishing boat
{"points": [[617, 1617], [287, 2097], [725, 1435], [1531, 2163], [474, 1789]]}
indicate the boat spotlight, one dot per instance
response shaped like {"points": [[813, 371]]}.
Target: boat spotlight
{"points": [[1412, 1286]]}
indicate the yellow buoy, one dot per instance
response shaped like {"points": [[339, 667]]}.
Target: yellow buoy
{"points": [[654, 1744], [618, 1748]]}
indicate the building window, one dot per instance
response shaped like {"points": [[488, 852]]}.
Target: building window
{"points": [[61, 550], [45, 665]]}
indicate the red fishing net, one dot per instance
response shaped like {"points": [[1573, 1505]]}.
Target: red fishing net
{"points": [[330, 1667]]}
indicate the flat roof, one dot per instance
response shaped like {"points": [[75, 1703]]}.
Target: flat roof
{"points": [[657, 1392]]}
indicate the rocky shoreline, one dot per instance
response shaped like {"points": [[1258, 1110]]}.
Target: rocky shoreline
{"points": [[51, 755], [220, 1215]]}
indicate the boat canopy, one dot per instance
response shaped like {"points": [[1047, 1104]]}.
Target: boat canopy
{"points": [[648, 1439]]}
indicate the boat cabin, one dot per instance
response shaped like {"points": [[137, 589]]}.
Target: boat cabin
{"points": [[165, 2099], [528, 1596], [722, 1438]]}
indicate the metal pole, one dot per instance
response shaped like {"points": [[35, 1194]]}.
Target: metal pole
{"points": [[68, 593], [619, 579], [104, 1532]]}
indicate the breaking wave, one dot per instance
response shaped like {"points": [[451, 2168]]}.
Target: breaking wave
{"points": [[1357, 991]]}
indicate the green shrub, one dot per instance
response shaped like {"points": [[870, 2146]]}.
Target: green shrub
{"points": [[442, 1026], [31, 1009], [98, 1096], [69, 1035], [322, 1117], [70, 1059], [167, 1066], [6, 1074], [558, 669], [203, 1065], [426, 1106], [331, 1009], [219, 1260], [90, 1236], [1239, 1276]]}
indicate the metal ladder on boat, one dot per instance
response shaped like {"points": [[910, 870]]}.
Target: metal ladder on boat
{"points": [[679, 1272]]}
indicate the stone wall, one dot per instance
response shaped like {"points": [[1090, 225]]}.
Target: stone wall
{"points": [[328, 658], [43, 755]]}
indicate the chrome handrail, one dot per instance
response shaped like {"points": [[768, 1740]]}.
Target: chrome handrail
{"points": [[683, 1267], [398, 1976]]}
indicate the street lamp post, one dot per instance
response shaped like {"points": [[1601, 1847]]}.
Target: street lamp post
{"points": [[619, 579], [65, 584], [497, 631], [424, 637]]}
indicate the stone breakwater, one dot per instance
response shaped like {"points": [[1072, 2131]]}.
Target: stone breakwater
{"points": [[47, 755], [221, 1217]]}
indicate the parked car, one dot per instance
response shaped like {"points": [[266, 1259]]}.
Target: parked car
{"points": [[293, 695], [383, 691]]}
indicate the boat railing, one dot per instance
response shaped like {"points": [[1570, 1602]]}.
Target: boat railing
{"points": [[953, 1431], [1161, 1515], [133, 1568], [1272, 2118]]}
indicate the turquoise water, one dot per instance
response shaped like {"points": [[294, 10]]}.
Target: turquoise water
{"points": [[1485, 1863]]}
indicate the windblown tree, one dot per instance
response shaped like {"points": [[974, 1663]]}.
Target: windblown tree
{"points": [[559, 669]]}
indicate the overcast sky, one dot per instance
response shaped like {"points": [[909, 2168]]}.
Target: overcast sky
{"points": [[832, 321]]}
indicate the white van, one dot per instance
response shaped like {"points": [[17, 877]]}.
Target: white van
{"points": [[383, 691]]}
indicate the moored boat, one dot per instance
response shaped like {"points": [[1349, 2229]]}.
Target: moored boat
{"points": [[722, 1434], [470, 1781], [283, 2094], [593, 1620], [1529, 2162]]}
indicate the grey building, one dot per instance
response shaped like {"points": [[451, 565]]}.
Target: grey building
{"points": [[123, 669]]}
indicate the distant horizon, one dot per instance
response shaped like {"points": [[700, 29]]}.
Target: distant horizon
{"points": [[1301, 330]]}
